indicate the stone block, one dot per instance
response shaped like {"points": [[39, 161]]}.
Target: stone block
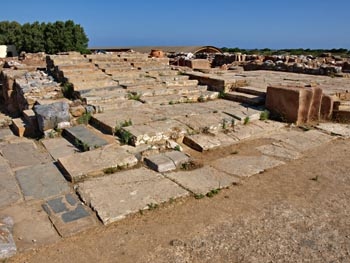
{"points": [[294, 104], [205, 142], [59, 147], [68, 215], [93, 163], [336, 129], [41, 181], [202, 180], [327, 104], [177, 157], [160, 163], [50, 115], [18, 127], [115, 196]]}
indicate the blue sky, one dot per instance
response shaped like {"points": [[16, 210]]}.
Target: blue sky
{"points": [[245, 24]]}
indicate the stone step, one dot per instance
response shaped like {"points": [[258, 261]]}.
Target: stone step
{"points": [[116, 104], [170, 78], [94, 88], [188, 82], [167, 161], [83, 138], [251, 90], [23, 128], [94, 163], [104, 95], [171, 90], [153, 132], [244, 98]]}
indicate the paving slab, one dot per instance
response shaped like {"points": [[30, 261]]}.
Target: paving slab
{"points": [[303, 141], [115, 196], [335, 128], [93, 163], [202, 180], [84, 138], [279, 151], [9, 189], [211, 122], [7, 244], [69, 215], [24, 153], [32, 227], [6, 134], [177, 157], [241, 114], [41, 181], [59, 147], [245, 166], [204, 142]]}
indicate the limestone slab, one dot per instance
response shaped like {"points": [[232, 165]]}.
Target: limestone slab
{"points": [[245, 166], [83, 136], [177, 157], [303, 141], [24, 153], [278, 150], [32, 227], [9, 190], [202, 180], [59, 147], [115, 196], [41, 181], [160, 163], [204, 142], [68, 215], [335, 128], [92, 163]]}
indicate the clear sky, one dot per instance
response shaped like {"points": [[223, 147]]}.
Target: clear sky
{"points": [[222, 23]]}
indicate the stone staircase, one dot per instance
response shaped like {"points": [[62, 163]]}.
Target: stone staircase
{"points": [[247, 95]]}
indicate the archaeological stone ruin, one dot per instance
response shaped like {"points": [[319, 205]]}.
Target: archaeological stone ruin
{"points": [[87, 140]]}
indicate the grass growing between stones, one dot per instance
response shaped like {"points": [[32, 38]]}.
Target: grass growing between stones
{"points": [[264, 115], [124, 135], [84, 119], [246, 120]]}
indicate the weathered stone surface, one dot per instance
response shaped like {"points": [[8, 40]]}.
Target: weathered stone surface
{"points": [[86, 139], [277, 150], [68, 215], [167, 161], [303, 141], [7, 244], [9, 190], [24, 153], [294, 104], [59, 147], [335, 128], [204, 142], [203, 180], [77, 111], [117, 195], [32, 227], [51, 114], [245, 166], [41, 181], [160, 163], [92, 163]]}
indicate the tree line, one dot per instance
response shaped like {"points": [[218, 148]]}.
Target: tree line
{"points": [[60, 36], [296, 51]]}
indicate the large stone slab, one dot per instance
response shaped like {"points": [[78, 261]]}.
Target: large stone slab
{"points": [[115, 196], [245, 166], [41, 181], [93, 163], [335, 128], [32, 227], [303, 141], [24, 153], [9, 190], [279, 151], [68, 215], [202, 180], [84, 138], [59, 147], [204, 142]]}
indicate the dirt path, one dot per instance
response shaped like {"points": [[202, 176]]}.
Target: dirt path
{"points": [[299, 212]]}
